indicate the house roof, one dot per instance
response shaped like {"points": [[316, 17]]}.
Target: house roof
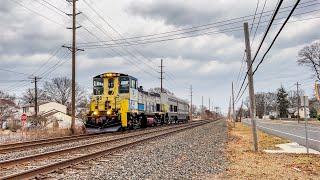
{"points": [[39, 104], [7, 102]]}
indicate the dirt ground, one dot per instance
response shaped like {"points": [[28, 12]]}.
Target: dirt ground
{"points": [[245, 164]]}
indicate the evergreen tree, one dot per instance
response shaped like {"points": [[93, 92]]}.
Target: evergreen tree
{"points": [[282, 102], [313, 112]]}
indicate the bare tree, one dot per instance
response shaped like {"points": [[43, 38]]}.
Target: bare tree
{"points": [[59, 90], [4, 95], [28, 96], [7, 106], [310, 56]]}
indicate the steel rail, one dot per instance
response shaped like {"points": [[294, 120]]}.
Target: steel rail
{"points": [[61, 151], [66, 163], [51, 141]]}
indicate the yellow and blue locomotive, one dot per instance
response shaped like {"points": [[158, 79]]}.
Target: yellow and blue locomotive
{"points": [[118, 100]]}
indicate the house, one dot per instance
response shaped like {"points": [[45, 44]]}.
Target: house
{"points": [[53, 112], [302, 114]]}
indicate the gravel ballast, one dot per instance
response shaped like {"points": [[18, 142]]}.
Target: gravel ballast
{"points": [[196, 153]]}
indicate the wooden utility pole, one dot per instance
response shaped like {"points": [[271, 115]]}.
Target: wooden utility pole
{"points": [[191, 113], [229, 109], [73, 94], [298, 102], [251, 88], [241, 111], [305, 104], [209, 105], [202, 108], [233, 112], [35, 81], [73, 50], [161, 76]]}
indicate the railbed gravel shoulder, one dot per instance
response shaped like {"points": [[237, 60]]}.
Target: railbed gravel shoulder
{"points": [[192, 154]]}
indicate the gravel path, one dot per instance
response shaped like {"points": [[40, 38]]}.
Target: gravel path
{"points": [[193, 154]]}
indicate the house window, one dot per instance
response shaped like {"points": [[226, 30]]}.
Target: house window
{"points": [[25, 109]]}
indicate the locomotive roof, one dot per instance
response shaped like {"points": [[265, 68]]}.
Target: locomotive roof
{"points": [[112, 74]]}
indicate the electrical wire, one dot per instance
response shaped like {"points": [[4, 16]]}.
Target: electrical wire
{"points": [[224, 22], [261, 42]]}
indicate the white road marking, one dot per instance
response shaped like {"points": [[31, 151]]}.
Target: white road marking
{"points": [[288, 133], [265, 122]]}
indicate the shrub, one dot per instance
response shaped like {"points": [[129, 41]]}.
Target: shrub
{"points": [[313, 113]]}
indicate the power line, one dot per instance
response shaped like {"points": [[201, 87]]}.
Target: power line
{"points": [[224, 22], [121, 44], [116, 31], [48, 60], [121, 36], [261, 42], [132, 55], [255, 13], [277, 35], [243, 60], [15, 72], [43, 16], [262, 11]]}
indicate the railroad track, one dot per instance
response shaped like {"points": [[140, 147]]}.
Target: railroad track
{"points": [[10, 147], [33, 165]]}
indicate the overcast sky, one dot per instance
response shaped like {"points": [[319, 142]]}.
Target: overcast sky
{"points": [[32, 32]]}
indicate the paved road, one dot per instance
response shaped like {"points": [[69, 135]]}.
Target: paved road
{"points": [[291, 130]]}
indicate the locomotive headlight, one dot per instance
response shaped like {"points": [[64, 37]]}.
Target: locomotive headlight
{"points": [[96, 113], [109, 112]]}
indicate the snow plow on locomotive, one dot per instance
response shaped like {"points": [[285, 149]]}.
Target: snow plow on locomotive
{"points": [[117, 100]]}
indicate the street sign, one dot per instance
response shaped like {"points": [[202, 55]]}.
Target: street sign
{"points": [[304, 101], [23, 117]]}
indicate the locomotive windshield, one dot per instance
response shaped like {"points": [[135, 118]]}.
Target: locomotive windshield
{"points": [[111, 83], [97, 86], [124, 85]]}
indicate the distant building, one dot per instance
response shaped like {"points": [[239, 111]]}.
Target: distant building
{"points": [[53, 111], [301, 113]]}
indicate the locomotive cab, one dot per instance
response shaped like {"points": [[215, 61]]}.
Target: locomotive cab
{"points": [[111, 91]]}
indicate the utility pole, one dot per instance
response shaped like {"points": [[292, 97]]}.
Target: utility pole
{"points": [[35, 81], [191, 103], [233, 112], [241, 111], [161, 75], [305, 104], [229, 109], [251, 88], [209, 105], [73, 95], [73, 49], [202, 108], [298, 102]]}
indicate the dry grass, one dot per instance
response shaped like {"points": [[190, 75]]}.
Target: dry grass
{"points": [[245, 164], [34, 134]]}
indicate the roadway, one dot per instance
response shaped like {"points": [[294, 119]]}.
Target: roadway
{"points": [[290, 130]]}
